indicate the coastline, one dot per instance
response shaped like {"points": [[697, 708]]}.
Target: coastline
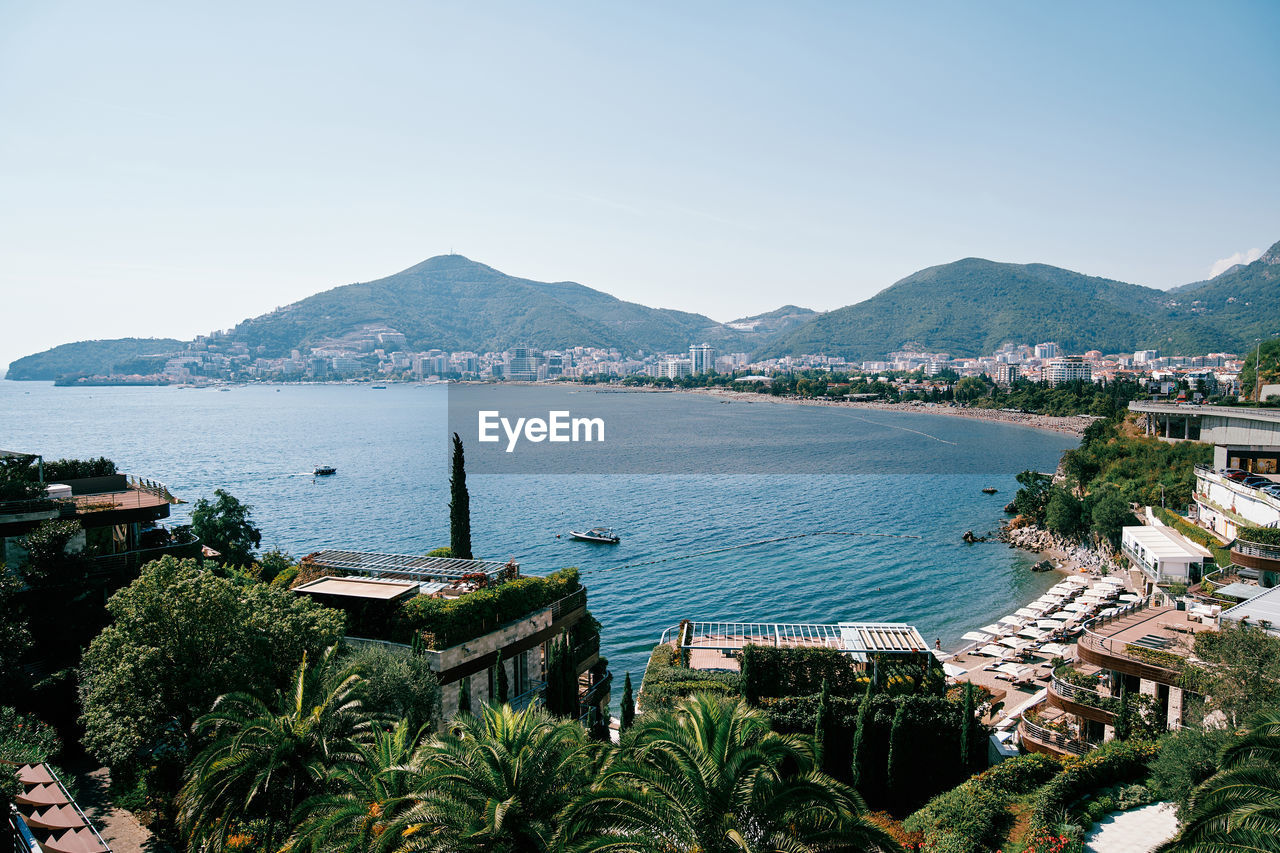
{"points": [[1074, 425]]}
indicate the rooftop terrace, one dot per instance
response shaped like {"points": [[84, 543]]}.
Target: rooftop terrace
{"points": [[714, 645], [410, 566]]}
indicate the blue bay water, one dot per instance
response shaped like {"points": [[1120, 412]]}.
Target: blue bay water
{"points": [[391, 494]]}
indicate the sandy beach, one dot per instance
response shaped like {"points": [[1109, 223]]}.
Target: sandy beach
{"points": [[1069, 425]]}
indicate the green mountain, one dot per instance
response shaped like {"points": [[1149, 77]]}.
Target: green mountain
{"points": [[450, 302], [775, 322], [89, 357], [972, 306]]}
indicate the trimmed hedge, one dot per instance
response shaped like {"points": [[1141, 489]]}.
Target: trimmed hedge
{"points": [[772, 672], [1260, 535], [444, 622], [666, 683]]}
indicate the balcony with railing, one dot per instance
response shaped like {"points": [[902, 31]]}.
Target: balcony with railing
{"points": [[1081, 701], [1145, 641], [1258, 556], [1037, 738]]}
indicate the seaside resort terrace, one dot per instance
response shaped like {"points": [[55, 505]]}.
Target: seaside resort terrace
{"points": [[371, 588]]}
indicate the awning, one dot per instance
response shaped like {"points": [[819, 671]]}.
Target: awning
{"points": [[34, 774], [42, 795], [55, 818], [75, 841]]}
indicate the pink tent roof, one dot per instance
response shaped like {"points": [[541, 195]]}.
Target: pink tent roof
{"points": [[42, 795], [75, 841], [34, 774], [55, 818]]}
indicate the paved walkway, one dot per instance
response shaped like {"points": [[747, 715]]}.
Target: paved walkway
{"points": [[119, 828], [1137, 831]]}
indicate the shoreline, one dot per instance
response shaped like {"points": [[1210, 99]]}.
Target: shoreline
{"points": [[1074, 425]]}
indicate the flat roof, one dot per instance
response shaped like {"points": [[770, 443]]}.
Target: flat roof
{"points": [[1244, 591], [409, 566], [366, 588], [1264, 606], [852, 637], [1165, 543]]}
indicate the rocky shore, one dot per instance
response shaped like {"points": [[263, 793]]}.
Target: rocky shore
{"points": [[1062, 554]]}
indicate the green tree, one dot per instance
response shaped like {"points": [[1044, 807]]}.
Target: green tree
{"points": [[397, 686], [966, 729], [504, 686], [464, 695], [1239, 670], [225, 525], [1238, 809], [497, 782], [562, 682], [50, 555], [820, 722], [15, 635], [712, 776], [1063, 514], [628, 705], [1111, 513], [1033, 496], [459, 505], [180, 636], [1123, 716], [1187, 758], [858, 768], [897, 770], [264, 759]]}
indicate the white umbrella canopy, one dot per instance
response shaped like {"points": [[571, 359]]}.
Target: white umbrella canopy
{"points": [[1048, 599], [1062, 588], [1130, 598], [1032, 633], [1055, 649], [1076, 607], [1013, 620], [976, 636], [993, 651], [1013, 642], [995, 630], [1015, 669], [1050, 624], [1026, 612], [1077, 581], [953, 671]]}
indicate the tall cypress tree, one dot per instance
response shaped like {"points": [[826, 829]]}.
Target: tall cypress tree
{"points": [[464, 696], [859, 750], [459, 505], [504, 687], [966, 730], [820, 725], [1122, 717], [897, 771], [628, 705]]}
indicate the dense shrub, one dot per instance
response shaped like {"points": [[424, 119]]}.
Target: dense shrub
{"points": [[1261, 535], [973, 816], [1112, 763], [57, 470], [665, 682], [446, 622], [770, 672]]}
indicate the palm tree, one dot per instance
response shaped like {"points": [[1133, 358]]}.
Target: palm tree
{"points": [[497, 782], [1238, 809], [264, 760], [365, 798], [712, 776]]}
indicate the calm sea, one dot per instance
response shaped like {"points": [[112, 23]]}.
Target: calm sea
{"points": [[391, 494]]}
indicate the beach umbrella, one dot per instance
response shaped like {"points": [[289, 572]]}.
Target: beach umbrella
{"points": [[1014, 669], [1050, 624], [1055, 649], [34, 774], [1049, 599], [1075, 607], [976, 637], [993, 651], [1130, 598], [1026, 612], [1012, 620], [75, 841], [55, 818], [1062, 588], [995, 630], [1031, 633], [42, 795], [1013, 642], [1077, 581], [954, 671]]}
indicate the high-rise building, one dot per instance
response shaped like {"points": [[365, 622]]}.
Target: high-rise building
{"points": [[522, 364], [1046, 350], [1006, 373], [1142, 356], [1068, 369], [674, 368], [702, 357]]}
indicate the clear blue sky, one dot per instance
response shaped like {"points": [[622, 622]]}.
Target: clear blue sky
{"points": [[167, 169]]}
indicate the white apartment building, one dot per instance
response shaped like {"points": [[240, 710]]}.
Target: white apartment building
{"points": [[1068, 369], [702, 358]]}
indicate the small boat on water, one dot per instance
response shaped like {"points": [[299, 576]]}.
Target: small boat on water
{"points": [[604, 535], [989, 490], [324, 470], [378, 387]]}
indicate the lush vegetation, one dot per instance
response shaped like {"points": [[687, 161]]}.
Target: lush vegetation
{"points": [[1260, 535], [87, 358], [1268, 354], [1196, 533], [442, 623], [226, 525], [973, 306], [459, 504]]}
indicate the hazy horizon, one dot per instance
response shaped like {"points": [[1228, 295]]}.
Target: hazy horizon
{"points": [[170, 171]]}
